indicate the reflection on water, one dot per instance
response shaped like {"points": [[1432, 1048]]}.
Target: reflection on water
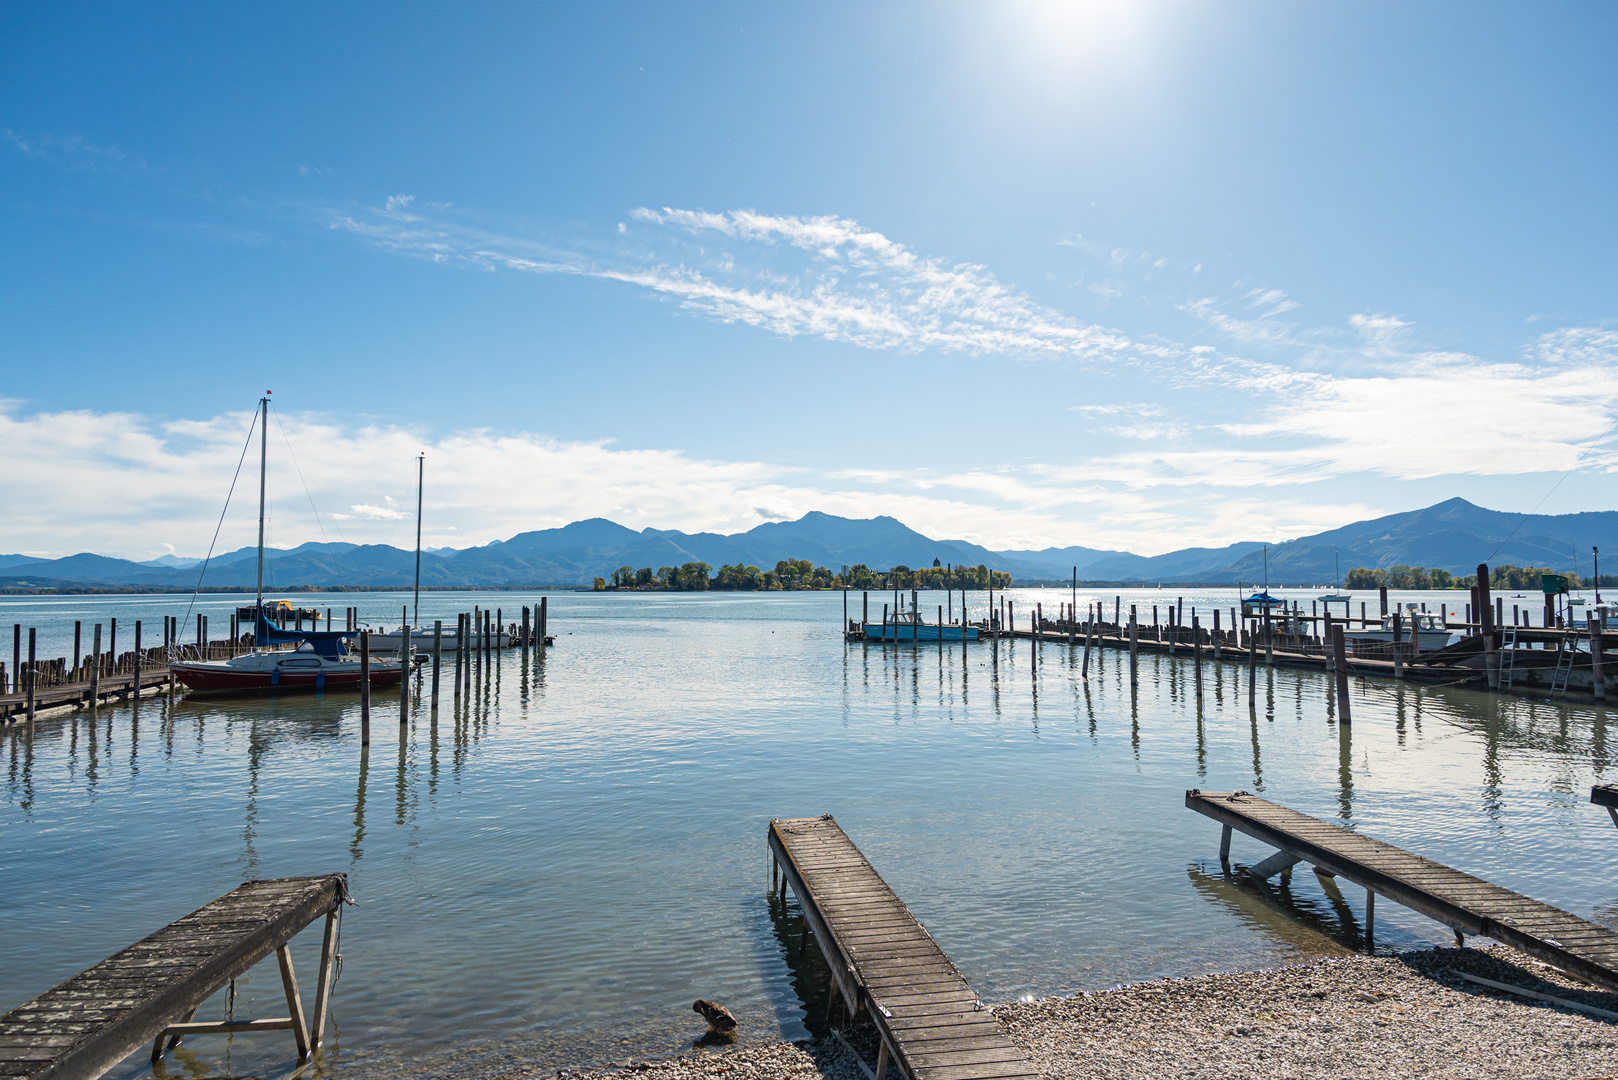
{"points": [[564, 851]]}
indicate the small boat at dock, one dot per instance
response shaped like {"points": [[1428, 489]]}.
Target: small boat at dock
{"points": [[303, 668], [908, 626]]}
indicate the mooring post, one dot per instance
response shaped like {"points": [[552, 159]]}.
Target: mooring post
{"points": [[526, 633], [1196, 651], [438, 653], [1382, 601], [885, 626], [1596, 645], [95, 664], [406, 633], [1134, 646], [1486, 617], [134, 686], [845, 613], [1398, 648], [1269, 639], [543, 600], [1089, 629], [1340, 656], [77, 657], [865, 608], [1252, 666], [33, 675], [460, 652], [365, 688]]}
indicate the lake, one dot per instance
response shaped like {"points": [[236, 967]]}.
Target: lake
{"points": [[554, 868]]}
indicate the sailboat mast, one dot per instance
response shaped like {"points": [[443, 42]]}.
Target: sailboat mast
{"points": [[263, 456], [415, 613]]}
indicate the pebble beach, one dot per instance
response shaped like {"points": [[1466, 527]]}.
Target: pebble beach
{"points": [[1408, 1015]]}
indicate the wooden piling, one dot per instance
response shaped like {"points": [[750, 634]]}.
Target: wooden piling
{"points": [[1134, 647], [78, 628], [543, 600], [95, 666], [134, 685], [865, 608], [1216, 642], [438, 653], [1340, 656], [33, 676], [526, 632], [1196, 650], [406, 634], [1252, 666], [1398, 652], [1596, 672], [365, 688], [1491, 661]]}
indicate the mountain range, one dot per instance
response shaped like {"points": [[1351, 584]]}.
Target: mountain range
{"points": [[1454, 535]]}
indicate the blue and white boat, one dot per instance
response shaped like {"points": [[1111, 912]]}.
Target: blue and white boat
{"points": [[908, 626]]}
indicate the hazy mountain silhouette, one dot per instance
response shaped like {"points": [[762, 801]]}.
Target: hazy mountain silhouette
{"points": [[1454, 535]]}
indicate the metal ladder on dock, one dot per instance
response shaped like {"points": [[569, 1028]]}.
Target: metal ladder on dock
{"points": [[1509, 667], [1566, 650]]}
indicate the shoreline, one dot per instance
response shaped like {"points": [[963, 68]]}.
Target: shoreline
{"points": [[1409, 1014]]}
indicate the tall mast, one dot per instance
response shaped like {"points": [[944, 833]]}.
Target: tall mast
{"points": [[263, 453], [415, 613]]}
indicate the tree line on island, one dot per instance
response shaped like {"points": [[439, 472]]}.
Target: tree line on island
{"points": [[792, 575], [1400, 576]]}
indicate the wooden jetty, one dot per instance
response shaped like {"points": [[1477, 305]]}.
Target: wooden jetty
{"points": [[932, 1025], [1467, 904], [80, 694], [150, 991], [1606, 795]]}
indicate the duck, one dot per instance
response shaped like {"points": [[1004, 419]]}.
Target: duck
{"points": [[718, 1017]]}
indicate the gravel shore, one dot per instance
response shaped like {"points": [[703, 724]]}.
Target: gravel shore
{"points": [[1411, 1015]]}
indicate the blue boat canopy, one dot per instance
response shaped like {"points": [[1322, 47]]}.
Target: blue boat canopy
{"points": [[1263, 599], [328, 643]]}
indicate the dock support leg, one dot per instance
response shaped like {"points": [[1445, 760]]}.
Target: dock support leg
{"points": [[328, 959], [1276, 863], [289, 983], [1224, 847], [1460, 940], [882, 1061], [831, 997], [1370, 922]]}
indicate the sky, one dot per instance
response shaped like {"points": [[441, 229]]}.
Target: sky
{"points": [[1124, 275]]}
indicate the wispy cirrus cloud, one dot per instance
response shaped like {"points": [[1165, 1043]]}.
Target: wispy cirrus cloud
{"points": [[841, 281], [1359, 396]]}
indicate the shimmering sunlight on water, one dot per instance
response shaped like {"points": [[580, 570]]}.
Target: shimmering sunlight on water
{"points": [[559, 865]]}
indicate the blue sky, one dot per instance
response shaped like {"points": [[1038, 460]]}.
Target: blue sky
{"points": [[1121, 275]]}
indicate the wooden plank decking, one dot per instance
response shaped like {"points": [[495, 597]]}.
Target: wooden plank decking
{"points": [[1466, 903], [884, 961], [87, 1025], [1606, 795]]}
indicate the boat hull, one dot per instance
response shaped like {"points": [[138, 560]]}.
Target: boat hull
{"points": [[218, 677], [902, 632]]}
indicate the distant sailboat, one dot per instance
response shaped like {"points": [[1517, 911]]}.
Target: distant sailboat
{"points": [[1336, 597]]}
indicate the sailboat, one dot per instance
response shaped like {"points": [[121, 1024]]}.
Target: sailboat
{"points": [[1335, 597], [320, 661]]}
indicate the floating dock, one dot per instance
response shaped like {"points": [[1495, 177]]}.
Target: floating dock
{"points": [[932, 1025], [149, 992], [1467, 904]]}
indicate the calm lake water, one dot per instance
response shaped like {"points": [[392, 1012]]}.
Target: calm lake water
{"points": [[557, 867]]}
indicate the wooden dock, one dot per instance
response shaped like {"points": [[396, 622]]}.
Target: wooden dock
{"points": [[75, 695], [932, 1025], [1606, 795], [149, 992], [1467, 904]]}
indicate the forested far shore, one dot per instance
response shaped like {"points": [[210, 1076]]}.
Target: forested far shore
{"points": [[799, 574]]}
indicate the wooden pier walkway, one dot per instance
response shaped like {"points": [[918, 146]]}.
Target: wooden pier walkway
{"points": [[1467, 904], [1606, 795], [75, 694], [149, 992], [883, 961]]}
